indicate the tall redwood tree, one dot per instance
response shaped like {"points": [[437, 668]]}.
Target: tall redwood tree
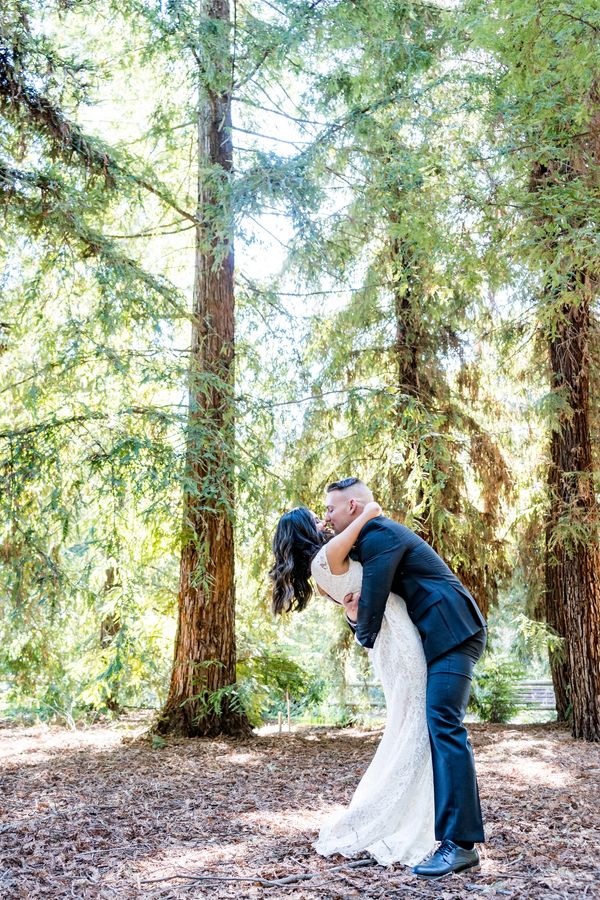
{"points": [[202, 699], [572, 590]]}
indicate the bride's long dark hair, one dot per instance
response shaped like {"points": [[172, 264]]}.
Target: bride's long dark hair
{"points": [[295, 543]]}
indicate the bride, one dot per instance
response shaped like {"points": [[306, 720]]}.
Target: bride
{"points": [[391, 814]]}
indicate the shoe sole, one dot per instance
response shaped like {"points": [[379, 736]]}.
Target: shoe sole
{"points": [[475, 868]]}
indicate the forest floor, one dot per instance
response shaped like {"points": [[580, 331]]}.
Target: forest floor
{"points": [[102, 813]]}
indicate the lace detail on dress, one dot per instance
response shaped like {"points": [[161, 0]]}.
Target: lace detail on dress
{"points": [[391, 814], [337, 586]]}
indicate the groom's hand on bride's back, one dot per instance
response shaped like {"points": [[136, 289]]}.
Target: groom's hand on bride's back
{"points": [[350, 602]]}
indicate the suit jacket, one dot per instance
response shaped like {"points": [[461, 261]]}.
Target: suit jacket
{"points": [[395, 559]]}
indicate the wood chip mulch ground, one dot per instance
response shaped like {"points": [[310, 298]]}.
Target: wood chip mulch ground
{"points": [[100, 813]]}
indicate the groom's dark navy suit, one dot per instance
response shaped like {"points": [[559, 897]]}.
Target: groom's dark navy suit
{"points": [[395, 559]]}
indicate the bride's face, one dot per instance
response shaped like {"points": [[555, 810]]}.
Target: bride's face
{"points": [[320, 523]]}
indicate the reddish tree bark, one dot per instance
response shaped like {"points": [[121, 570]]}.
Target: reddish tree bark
{"points": [[572, 596], [202, 699], [573, 558]]}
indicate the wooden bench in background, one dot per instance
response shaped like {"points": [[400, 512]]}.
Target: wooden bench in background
{"points": [[531, 694], [536, 694]]}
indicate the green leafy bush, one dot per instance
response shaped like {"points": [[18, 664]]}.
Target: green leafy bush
{"points": [[494, 691], [265, 681]]}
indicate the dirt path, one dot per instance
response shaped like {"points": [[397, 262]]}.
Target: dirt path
{"points": [[92, 814]]}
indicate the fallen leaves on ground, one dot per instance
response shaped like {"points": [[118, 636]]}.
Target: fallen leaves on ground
{"points": [[94, 814]]}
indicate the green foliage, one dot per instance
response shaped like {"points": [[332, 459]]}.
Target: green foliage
{"points": [[402, 337], [398, 284], [267, 680], [493, 695], [265, 683], [92, 434], [537, 638]]}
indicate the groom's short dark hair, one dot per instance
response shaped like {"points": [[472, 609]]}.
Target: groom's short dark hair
{"points": [[343, 484]]}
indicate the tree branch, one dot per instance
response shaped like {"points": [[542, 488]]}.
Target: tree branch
{"points": [[193, 878], [67, 138], [93, 242]]}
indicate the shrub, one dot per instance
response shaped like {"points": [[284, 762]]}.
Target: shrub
{"points": [[494, 692], [266, 679]]}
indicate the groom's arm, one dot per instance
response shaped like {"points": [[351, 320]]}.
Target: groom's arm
{"points": [[380, 552]]}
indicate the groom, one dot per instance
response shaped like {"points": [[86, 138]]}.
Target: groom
{"points": [[453, 631]]}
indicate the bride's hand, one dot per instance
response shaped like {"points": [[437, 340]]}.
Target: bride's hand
{"points": [[373, 509]]}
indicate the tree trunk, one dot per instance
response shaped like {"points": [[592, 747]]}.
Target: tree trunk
{"points": [[573, 559], [572, 556], [406, 351], [407, 323], [202, 701], [553, 611], [410, 354], [109, 629]]}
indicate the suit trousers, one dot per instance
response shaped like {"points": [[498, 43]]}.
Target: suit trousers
{"points": [[457, 808]]}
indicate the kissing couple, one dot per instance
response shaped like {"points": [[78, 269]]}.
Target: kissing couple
{"points": [[424, 633]]}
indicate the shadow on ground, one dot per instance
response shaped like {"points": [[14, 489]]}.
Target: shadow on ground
{"points": [[94, 814]]}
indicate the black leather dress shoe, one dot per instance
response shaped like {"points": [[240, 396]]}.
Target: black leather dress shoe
{"points": [[448, 857]]}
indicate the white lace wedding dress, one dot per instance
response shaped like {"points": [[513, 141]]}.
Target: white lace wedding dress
{"points": [[391, 815]]}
